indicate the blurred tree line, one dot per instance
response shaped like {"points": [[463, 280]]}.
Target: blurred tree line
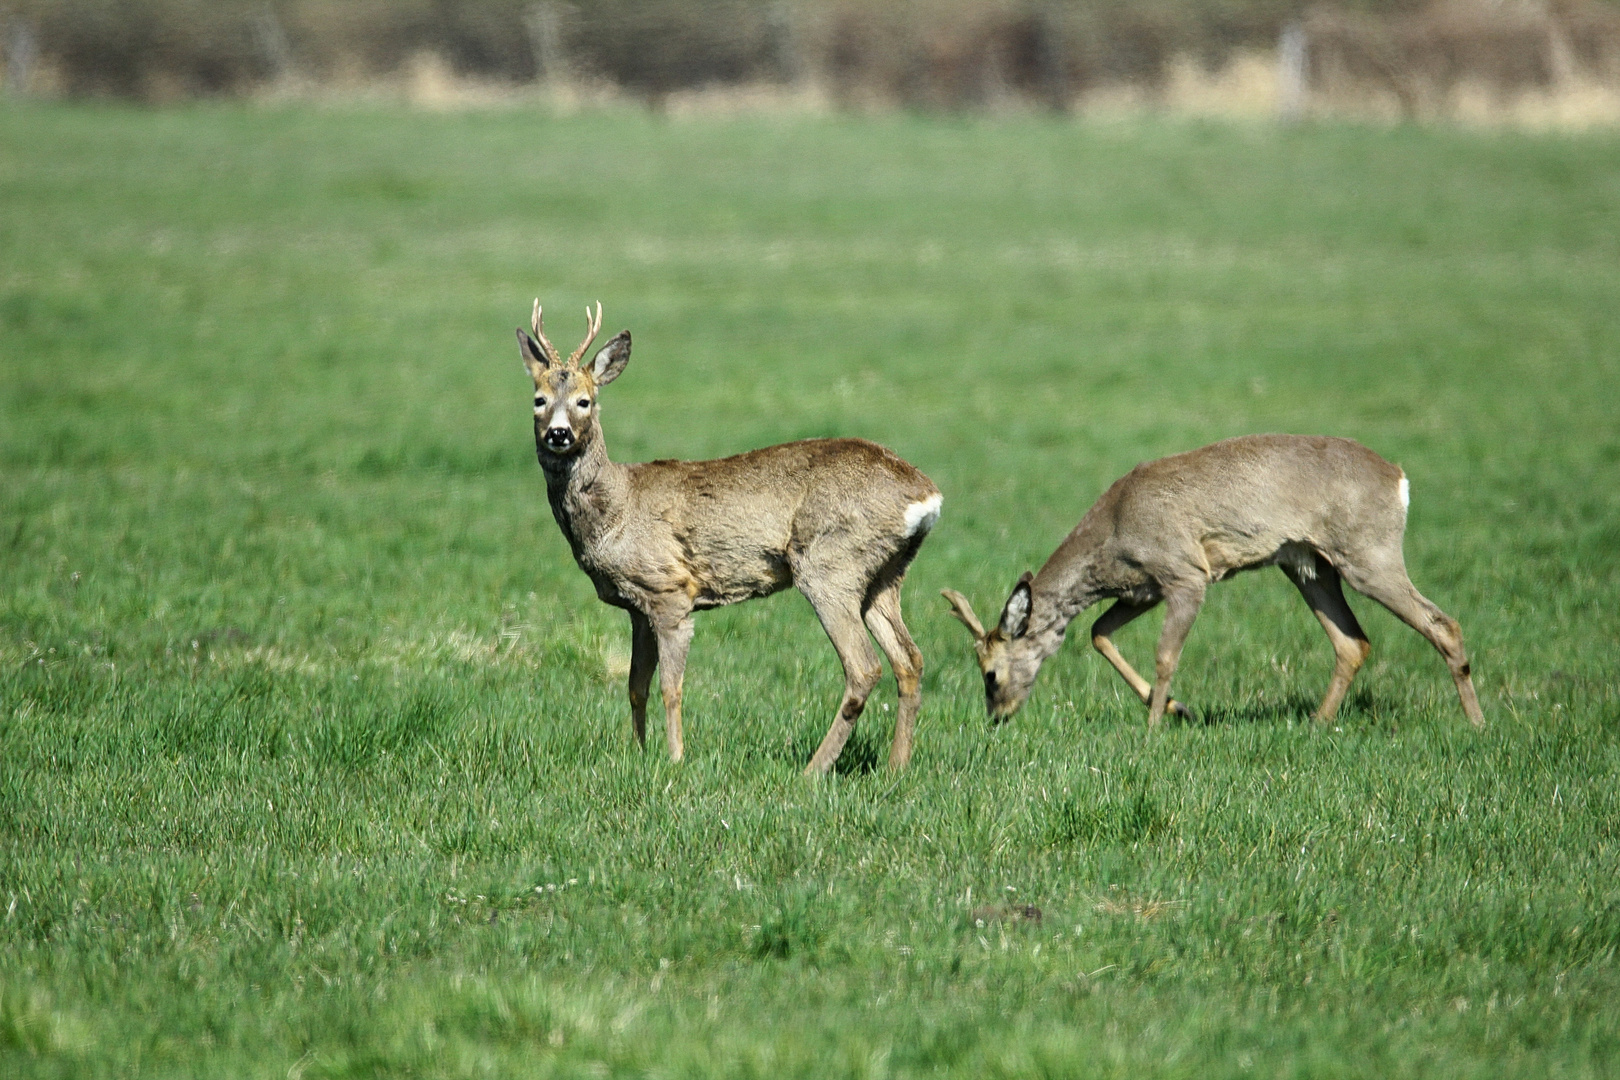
{"points": [[946, 54]]}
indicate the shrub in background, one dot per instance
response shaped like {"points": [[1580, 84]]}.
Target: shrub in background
{"points": [[940, 54]]}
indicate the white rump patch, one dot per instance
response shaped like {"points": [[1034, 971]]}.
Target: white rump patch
{"points": [[1406, 493], [920, 516]]}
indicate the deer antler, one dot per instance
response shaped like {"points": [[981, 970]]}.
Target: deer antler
{"points": [[964, 613], [552, 355], [592, 327]]}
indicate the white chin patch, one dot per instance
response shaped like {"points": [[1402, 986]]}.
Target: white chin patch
{"points": [[1406, 494], [920, 516]]}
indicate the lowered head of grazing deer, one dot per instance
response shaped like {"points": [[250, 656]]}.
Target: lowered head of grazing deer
{"points": [[1323, 510], [1009, 656], [838, 519]]}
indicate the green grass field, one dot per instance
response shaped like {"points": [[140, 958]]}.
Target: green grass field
{"points": [[315, 758]]}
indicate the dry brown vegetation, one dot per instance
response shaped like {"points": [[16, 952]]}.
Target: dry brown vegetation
{"points": [[1462, 58]]}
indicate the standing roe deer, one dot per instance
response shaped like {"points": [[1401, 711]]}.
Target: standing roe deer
{"points": [[1319, 508], [840, 519]]}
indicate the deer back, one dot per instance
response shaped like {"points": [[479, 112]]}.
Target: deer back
{"points": [[1236, 503], [736, 527]]}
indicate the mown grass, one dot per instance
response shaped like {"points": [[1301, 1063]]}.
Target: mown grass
{"points": [[314, 754]]}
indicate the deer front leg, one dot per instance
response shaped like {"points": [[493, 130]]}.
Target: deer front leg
{"points": [[1180, 609], [643, 660], [674, 637], [1102, 639]]}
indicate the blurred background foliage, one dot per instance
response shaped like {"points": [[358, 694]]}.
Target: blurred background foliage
{"points": [[932, 54]]}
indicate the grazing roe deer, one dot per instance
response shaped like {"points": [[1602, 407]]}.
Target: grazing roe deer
{"points": [[1322, 509], [840, 519]]}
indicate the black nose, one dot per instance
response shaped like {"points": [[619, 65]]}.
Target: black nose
{"points": [[559, 437]]}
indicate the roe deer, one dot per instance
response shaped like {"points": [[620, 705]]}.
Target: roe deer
{"points": [[1319, 508], [841, 519]]}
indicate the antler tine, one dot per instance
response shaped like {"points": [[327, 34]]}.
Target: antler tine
{"points": [[540, 335], [593, 326]]}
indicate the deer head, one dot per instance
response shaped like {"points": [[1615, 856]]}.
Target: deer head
{"points": [[565, 409], [1009, 656]]}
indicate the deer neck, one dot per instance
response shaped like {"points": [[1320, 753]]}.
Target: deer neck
{"points": [[588, 493], [1076, 575], [1058, 594]]}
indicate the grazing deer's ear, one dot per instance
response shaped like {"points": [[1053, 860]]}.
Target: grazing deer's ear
{"points": [[534, 357], [1015, 616], [611, 359], [964, 612]]}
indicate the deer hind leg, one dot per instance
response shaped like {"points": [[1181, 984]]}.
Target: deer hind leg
{"points": [[1102, 639], [674, 635], [840, 616], [1181, 604], [1390, 586], [883, 619], [643, 659], [1319, 585]]}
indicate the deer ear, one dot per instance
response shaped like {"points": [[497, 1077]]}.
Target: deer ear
{"points": [[534, 357], [611, 359], [964, 612], [1015, 616]]}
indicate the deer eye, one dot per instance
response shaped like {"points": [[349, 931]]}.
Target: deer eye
{"points": [[539, 402], [583, 403]]}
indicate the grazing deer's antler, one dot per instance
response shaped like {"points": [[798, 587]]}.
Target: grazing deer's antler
{"points": [[592, 327], [552, 355], [963, 610]]}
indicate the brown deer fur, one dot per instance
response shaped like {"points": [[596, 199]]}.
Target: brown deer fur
{"points": [[840, 519], [1321, 509]]}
